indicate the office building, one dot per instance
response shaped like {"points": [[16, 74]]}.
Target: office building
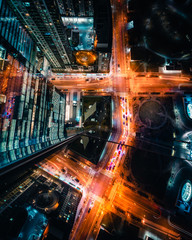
{"points": [[69, 32]]}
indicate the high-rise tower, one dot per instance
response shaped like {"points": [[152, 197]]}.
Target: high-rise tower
{"points": [[68, 32]]}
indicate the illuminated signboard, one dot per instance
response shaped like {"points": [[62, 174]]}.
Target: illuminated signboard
{"points": [[186, 191], [189, 110]]}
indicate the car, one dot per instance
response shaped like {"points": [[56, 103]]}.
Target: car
{"points": [[123, 115], [76, 179], [123, 123], [143, 194], [148, 238], [118, 68], [140, 75], [89, 210], [132, 188], [135, 218], [119, 146], [153, 76]]}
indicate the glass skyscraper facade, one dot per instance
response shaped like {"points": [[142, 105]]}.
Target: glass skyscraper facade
{"points": [[13, 33], [32, 110]]}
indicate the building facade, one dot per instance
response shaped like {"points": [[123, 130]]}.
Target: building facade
{"points": [[32, 110], [69, 32]]}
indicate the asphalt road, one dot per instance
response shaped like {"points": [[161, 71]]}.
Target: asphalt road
{"points": [[103, 190]]}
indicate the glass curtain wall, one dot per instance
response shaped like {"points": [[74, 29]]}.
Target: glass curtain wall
{"points": [[32, 111]]}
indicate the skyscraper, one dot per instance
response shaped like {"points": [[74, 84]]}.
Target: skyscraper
{"points": [[32, 111], [37, 38], [68, 32]]}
